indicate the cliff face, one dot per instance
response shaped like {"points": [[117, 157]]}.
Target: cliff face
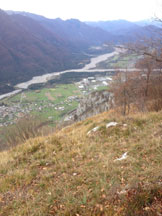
{"points": [[94, 103]]}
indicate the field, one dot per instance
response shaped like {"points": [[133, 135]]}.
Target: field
{"points": [[48, 103], [119, 61]]}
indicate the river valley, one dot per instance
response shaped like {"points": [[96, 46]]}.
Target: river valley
{"points": [[91, 67]]}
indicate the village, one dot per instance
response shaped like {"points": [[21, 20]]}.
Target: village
{"points": [[90, 84], [11, 110]]}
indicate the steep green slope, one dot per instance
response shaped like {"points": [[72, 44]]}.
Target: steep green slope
{"points": [[79, 171]]}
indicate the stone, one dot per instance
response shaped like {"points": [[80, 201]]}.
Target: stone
{"points": [[123, 157], [93, 130], [111, 124]]}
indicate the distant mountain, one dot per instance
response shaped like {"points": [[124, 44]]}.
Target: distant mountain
{"points": [[114, 26], [23, 13], [128, 31], [77, 33], [149, 22]]}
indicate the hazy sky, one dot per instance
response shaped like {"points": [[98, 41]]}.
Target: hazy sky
{"points": [[87, 10]]}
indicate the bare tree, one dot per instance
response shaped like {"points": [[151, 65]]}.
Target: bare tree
{"points": [[141, 89]]}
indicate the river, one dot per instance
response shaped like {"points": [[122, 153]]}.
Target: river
{"points": [[46, 77]]}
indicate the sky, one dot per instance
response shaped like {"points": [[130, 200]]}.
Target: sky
{"points": [[88, 10]]}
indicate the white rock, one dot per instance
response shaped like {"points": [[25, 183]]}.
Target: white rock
{"points": [[123, 157], [122, 192], [81, 86], [93, 130], [109, 78], [111, 124], [104, 83]]}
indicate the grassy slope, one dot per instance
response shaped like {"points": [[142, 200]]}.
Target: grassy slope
{"points": [[72, 173]]}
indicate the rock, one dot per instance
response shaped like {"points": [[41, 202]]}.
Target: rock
{"points": [[92, 104], [111, 124], [93, 130], [122, 192], [123, 157]]}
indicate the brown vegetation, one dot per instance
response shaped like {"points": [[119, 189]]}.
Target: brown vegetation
{"points": [[72, 173], [25, 128], [141, 89]]}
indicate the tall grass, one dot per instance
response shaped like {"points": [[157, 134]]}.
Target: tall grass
{"points": [[24, 129]]}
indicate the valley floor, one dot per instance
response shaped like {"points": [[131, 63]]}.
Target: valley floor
{"points": [[51, 103]]}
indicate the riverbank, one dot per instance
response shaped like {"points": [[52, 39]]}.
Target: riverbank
{"points": [[90, 67], [87, 68], [10, 94]]}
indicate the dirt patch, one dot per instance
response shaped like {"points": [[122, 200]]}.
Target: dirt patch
{"points": [[76, 91], [49, 96], [59, 95]]}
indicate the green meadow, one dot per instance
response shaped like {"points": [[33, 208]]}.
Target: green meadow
{"points": [[46, 102]]}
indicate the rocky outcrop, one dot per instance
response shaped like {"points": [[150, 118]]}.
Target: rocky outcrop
{"points": [[94, 103]]}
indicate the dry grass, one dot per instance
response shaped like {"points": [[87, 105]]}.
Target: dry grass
{"points": [[25, 128], [72, 173]]}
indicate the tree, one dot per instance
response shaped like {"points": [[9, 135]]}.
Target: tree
{"points": [[122, 89], [141, 89]]}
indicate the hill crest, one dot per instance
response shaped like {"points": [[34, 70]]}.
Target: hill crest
{"points": [[112, 170]]}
